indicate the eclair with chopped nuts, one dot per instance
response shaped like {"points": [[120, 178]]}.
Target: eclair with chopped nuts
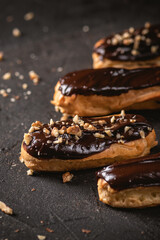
{"points": [[82, 143], [97, 92], [132, 48], [134, 183]]}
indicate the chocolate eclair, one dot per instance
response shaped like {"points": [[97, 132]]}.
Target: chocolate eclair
{"points": [[133, 183], [132, 48], [97, 92], [81, 143]]}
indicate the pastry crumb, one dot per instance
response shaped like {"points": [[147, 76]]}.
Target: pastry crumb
{"points": [[86, 230], [4, 208], [49, 230], [67, 177]]}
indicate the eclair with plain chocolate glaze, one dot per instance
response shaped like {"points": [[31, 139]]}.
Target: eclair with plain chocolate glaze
{"points": [[132, 48], [97, 92], [82, 143], [134, 183]]}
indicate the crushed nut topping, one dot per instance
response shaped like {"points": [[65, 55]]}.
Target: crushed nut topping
{"points": [[64, 117], [51, 121], [59, 140], [147, 25], [45, 130], [67, 177], [4, 208], [74, 130], [108, 132], [113, 119], [62, 130], [32, 129], [118, 136], [123, 113], [27, 138], [154, 49], [132, 120], [99, 135], [102, 122], [121, 141], [126, 128], [142, 134], [55, 132], [76, 119], [90, 127], [37, 124]]}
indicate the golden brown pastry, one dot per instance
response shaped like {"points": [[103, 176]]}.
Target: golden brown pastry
{"points": [[133, 48], [97, 92], [134, 183], [86, 143]]}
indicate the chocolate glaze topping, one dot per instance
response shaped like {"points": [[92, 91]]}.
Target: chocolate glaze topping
{"points": [[108, 81], [93, 135], [144, 41], [144, 171]]}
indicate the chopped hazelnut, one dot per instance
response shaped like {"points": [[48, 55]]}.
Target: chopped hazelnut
{"points": [[64, 117], [127, 41], [126, 35], [123, 113], [90, 127], [76, 119], [102, 122], [118, 136], [108, 132], [142, 134], [99, 135], [74, 130], [59, 140], [113, 119], [55, 132], [132, 120], [126, 128], [49, 230], [121, 141], [134, 52], [4, 208], [145, 31], [114, 41], [154, 49], [6, 76], [67, 177], [45, 130], [37, 124], [27, 138], [32, 129], [33, 75], [51, 121], [147, 25], [148, 41], [131, 30], [62, 130]]}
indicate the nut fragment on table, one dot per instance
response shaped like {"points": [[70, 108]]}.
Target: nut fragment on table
{"points": [[4, 208], [67, 177]]}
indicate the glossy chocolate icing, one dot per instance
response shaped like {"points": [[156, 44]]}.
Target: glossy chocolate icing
{"points": [[87, 144], [108, 81], [123, 52], [144, 171]]}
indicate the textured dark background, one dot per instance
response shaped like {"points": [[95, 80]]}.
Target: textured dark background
{"points": [[54, 38]]}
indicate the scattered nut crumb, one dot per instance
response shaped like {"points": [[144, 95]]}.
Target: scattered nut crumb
{"points": [[16, 231], [74, 130], [12, 99], [30, 172], [16, 32], [147, 25], [6, 76], [55, 132], [1, 56], [41, 237], [28, 16], [67, 177], [34, 77], [49, 230], [45, 130], [86, 231], [59, 140], [33, 189], [24, 86], [4, 208]]}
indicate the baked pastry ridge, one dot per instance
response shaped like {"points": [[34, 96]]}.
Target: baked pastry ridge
{"points": [[131, 48], [132, 183], [86, 142], [97, 92]]}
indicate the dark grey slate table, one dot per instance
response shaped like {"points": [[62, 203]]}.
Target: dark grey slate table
{"points": [[53, 39]]}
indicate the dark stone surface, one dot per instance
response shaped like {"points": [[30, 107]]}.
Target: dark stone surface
{"points": [[65, 208]]}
